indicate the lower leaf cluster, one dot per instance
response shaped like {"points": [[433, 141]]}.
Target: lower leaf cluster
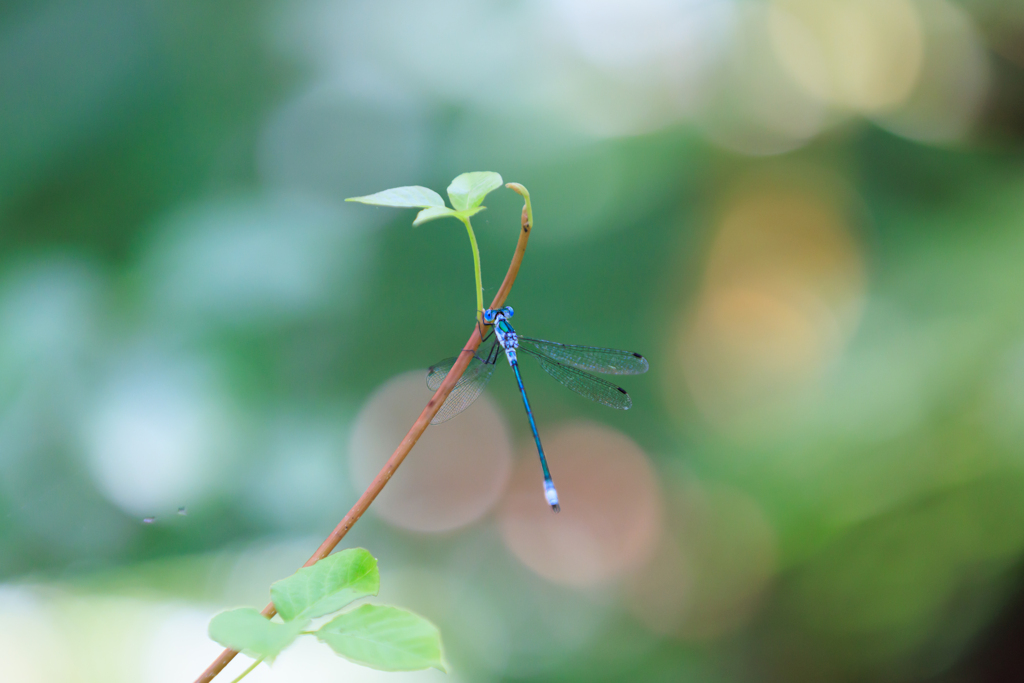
{"points": [[377, 636]]}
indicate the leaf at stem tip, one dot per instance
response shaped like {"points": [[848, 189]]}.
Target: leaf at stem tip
{"points": [[246, 630], [407, 197], [469, 189], [385, 638], [326, 586], [434, 213]]}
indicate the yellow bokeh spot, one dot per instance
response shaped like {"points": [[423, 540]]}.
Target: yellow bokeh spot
{"points": [[782, 292], [862, 55]]}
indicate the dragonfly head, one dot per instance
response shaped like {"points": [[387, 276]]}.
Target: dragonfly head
{"points": [[491, 315]]}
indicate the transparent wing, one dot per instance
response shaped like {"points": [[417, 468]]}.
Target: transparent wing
{"points": [[467, 389], [584, 384], [592, 358], [437, 372]]}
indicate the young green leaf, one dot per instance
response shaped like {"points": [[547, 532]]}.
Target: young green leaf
{"points": [[434, 213], [326, 586], [385, 638], [402, 197], [246, 630], [469, 189]]}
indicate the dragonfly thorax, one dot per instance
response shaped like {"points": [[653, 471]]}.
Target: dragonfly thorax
{"points": [[503, 331], [507, 338]]}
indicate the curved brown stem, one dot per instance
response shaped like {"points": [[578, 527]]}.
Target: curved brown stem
{"points": [[417, 429]]}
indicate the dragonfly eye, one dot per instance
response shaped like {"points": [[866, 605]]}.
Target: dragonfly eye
{"points": [[489, 316], [508, 311]]}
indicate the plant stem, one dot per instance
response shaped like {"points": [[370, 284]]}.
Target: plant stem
{"points": [[248, 671], [526, 222], [476, 270], [418, 427]]}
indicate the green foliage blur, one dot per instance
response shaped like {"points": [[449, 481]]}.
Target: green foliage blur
{"points": [[808, 216]]}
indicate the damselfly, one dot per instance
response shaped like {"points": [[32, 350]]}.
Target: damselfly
{"points": [[567, 363]]}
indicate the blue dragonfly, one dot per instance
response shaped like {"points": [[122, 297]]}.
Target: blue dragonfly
{"points": [[567, 363]]}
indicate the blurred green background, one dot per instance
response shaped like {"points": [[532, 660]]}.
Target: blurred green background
{"points": [[807, 214]]}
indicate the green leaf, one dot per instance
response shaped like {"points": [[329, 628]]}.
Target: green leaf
{"points": [[431, 214], [327, 586], [469, 189], [246, 630], [384, 638], [434, 213], [402, 197]]}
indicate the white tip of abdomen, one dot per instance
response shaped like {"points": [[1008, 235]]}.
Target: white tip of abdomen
{"points": [[552, 495]]}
